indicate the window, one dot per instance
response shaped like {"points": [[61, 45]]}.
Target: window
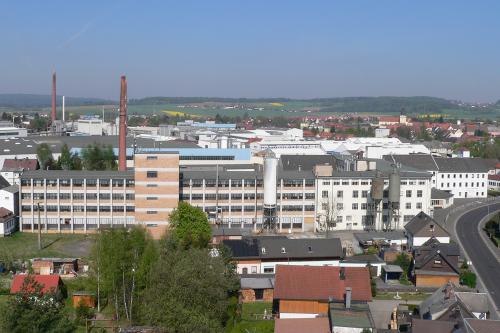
{"points": [[309, 249], [408, 205], [326, 183], [354, 194], [354, 206], [283, 250], [340, 194], [324, 194], [355, 182], [419, 193], [263, 250], [385, 205], [345, 182], [150, 157], [151, 198], [339, 219], [340, 206], [254, 270], [269, 270], [419, 205], [152, 185], [151, 212], [364, 206], [324, 206], [408, 193], [364, 194], [152, 174]]}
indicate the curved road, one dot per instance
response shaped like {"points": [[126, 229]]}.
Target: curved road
{"points": [[484, 261]]}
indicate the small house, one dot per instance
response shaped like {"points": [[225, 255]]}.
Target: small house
{"points": [[83, 298], [48, 283], [256, 287], [422, 227]]}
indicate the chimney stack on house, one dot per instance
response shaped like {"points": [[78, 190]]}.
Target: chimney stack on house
{"points": [[53, 114], [122, 151], [348, 297]]}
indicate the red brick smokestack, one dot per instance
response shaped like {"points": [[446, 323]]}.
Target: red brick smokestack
{"points": [[122, 152], [53, 115]]}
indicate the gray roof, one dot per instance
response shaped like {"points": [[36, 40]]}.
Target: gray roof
{"points": [[11, 189], [231, 231], [357, 316], [422, 225], [379, 235], [28, 145], [364, 258], [392, 269], [300, 248], [431, 163], [449, 296], [439, 194], [3, 183], [474, 302], [76, 174], [432, 249], [257, 282], [285, 248]]}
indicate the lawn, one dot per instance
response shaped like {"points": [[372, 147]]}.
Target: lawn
{"points": [[22, 245], [410, 296], [251, 319]]}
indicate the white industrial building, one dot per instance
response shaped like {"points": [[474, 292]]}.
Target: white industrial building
{"points": [[90, 125], [462, 177], [12, 132]]}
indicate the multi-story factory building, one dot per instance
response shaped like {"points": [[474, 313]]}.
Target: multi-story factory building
{"points": [[293, 193]]}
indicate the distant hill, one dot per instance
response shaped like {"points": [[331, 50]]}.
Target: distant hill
{"points": [[23, 101]]}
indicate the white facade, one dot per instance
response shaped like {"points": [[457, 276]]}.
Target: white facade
{"points": [[419, 241], [348, 201], [8, 200], [90, 126], [382, 132], [7, 226], [463, 184], [12, 132]]}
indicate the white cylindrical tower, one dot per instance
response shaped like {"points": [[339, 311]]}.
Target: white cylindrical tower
{"points": [[63, 109], [270, 180]]}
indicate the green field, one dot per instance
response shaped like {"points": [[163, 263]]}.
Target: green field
{"points": [[22, 245]]}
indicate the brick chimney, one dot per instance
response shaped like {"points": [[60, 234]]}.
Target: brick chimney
{"points": [[122, 151]]}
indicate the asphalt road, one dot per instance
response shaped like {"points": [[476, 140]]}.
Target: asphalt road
{"points": [[485, 263]]}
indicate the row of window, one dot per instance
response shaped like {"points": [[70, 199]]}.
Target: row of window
{"points": [[78, 182], [365, 206], [77, 196], [369, 182], [364, 194], [466, 184], [288, 208], [465, 175], [77, 208]]}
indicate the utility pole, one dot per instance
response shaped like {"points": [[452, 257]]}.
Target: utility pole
{"points": [[39, 228]]}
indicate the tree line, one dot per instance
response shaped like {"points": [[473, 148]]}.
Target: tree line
{"points": [[92, 157]]}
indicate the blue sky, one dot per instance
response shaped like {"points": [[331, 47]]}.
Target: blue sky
{"points": [[258, 48]]}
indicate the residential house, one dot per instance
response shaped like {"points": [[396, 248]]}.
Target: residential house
{"points": [[447, 303], [494, 182], [9, 196], [13, 167], [373, 261], [422, 227], [48, 283], [441, 199], [301, 325], [256, 255], [435, 264], [307, 291], [8, 223]]}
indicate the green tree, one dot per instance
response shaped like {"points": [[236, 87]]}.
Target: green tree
{"points": [[65, 161], [403, 260], [120, 257], [34, 312], [44, 155], [468, 278], [189, 291], [98, 157], [190, 226]]}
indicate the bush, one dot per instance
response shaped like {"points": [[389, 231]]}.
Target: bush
{"points": [[373, 284], [468, 278], [82, 313]]}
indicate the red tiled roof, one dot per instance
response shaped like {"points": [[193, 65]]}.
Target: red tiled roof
{"points": [[321, 282], [4, 212], [18, 164], [49, 283], [301, 325], [388, 119]]}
